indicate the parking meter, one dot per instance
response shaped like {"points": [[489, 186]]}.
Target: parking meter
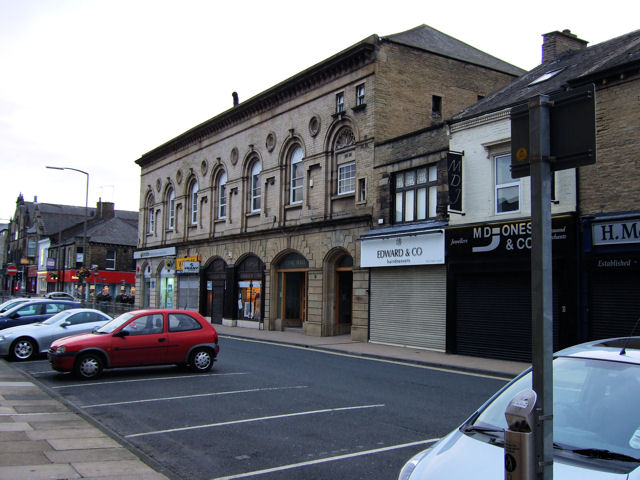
{"points": [[519, 445]]}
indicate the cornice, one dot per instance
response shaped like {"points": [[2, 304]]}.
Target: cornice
{"points": [[322, 73]]}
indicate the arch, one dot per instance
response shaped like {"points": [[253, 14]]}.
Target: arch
{"points": [[290, 295], [149, 213], [250, 281], [338, 288], [212, 289], [292, 158], [219, 179], [334, 129], [192, 187], [169, 203]]}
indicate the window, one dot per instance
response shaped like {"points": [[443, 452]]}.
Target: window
{"points": [[416, 194], [194, 203], [507, 188], [171, 205], [256, 191], [436, 106], [31, 247], [360, 95], [346, 178], [70, 262], [296, 175], [151, 224], [222, 195], [181, 322], [145, 325], [340, 102], [110, 261]]}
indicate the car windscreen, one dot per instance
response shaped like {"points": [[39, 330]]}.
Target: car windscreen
{"points": [[57, 317], [595, 406], [114, 324]]}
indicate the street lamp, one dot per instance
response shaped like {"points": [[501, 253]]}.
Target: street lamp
{"points": [[86, 214]]}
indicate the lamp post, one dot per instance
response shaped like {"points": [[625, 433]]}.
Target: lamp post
{"points": [[86, 214]]}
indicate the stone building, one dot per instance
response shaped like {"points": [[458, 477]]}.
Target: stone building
{"points": [[254, 217]]}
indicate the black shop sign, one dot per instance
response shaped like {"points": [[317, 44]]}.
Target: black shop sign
{"points": [[489, 240]]}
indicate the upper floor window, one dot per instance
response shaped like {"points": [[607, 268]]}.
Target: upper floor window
{"points": [[151, 218], [507, 188], [222, 195], [360, 95], [193, 195], [256, 191], [70, 261], [171, 212], [346, 178], [340, 102], [31, 247], [436, 106], [110, 260], [416, 194], [296, 175]]}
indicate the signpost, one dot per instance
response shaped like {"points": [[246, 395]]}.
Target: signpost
{"points": [[549, 133], [12, 270]]}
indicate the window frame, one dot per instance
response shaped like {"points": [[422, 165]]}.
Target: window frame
{"points": [[418, 201], [340, 102], [171, 210], [193, 203], [347, 180], [497, 187], [360, 95], [255, 190], [221, 210], [108, 260], [296, 175]]}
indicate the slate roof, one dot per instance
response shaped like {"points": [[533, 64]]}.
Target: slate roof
{"points": [[427, 38], [576, 67], [56, 218], [114, 231]]}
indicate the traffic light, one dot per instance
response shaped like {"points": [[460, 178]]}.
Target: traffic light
{"points": [[18, 276]]}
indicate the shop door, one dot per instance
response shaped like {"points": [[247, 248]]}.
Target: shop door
{"points": [[294, 301], [344, 289], [215, 301]]}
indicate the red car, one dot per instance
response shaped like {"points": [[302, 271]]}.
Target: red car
{"points": [[142, 337]]}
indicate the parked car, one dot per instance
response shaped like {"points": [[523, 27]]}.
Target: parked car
{"points": [[136, 338], [6, 305], [34, 311], [59, 296], [26, 341], [596, 421]]}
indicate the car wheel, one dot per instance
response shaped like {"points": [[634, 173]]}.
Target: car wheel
{"points": [[88, 366], [201, 360], [23, 349]]}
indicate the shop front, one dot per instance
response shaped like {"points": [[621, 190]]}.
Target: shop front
{"points": [[407, 285], [489, 288], [104, 285], [611, 274]]}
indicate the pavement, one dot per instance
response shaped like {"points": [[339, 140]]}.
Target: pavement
{"points": [[44, 438]]}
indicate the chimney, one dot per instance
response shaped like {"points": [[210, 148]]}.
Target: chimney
{"points": [[235, 99], [105, 209], [556, 43]]}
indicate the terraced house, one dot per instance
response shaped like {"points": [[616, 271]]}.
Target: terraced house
{"points": [[255, 216]]}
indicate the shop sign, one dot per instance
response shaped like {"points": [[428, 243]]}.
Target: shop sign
{"points": [[616, 263], [189, 267], [403, 251], [51, 263], [157, 252], [180, 261], [505, 239], [615, 233]]}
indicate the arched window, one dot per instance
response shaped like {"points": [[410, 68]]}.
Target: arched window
{"points": [[193, 195], [222, 195], [171, 209], [295, 175], [256, 192], [151, 216]]}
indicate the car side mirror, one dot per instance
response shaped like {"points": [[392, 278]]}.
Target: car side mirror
{"points": [[15, 315], [121, 333], [65, 324]]}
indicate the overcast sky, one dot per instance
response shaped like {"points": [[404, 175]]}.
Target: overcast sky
{"points": [[93, 85]]}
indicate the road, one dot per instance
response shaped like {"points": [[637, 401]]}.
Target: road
{"points": [[277, 412]]}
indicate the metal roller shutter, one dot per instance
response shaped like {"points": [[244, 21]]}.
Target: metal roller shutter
{"points": [[408, 306], [615, 304]]}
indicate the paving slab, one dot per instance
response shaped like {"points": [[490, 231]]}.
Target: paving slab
{"points": [[39, 472]]}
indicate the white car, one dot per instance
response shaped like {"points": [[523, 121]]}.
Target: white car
{"points": [[596, 426], [24, 342]]}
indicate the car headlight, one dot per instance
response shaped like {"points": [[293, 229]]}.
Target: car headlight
{"points": [[410, 466], [61, 349], [2, 338]]}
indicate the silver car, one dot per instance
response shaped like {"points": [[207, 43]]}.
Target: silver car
{"points": [[26, 341], [596, 427]]}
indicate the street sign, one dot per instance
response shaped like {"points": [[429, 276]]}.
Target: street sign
{"points": [[12, 270], [572, 131]]}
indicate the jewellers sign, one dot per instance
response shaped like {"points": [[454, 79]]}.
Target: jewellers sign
{"points": [[402, 251], [615, 233]]}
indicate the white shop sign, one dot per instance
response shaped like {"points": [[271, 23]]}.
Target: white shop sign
{"points": [[402, 251]]}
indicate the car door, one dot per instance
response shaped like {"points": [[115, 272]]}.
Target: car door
{"points": [[30, 313], [141, 341], [80, 322], [184, 332]]}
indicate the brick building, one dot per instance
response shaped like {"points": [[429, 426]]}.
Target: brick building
{"points": [[254, 217]]}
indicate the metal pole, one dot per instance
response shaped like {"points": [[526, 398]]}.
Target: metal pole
{"points": [[541, 283]]}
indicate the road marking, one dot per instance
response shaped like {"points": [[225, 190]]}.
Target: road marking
{"points": [[373, 359], [182, 397], [327, 459], [258, 419], [82, 384]]}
